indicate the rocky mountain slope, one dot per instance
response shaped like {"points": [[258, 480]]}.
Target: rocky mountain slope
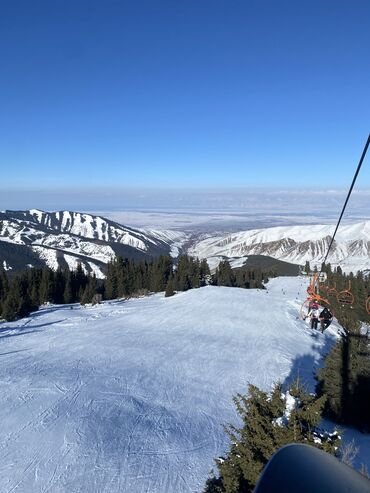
{"points": [[295, 244], [65, 238]]}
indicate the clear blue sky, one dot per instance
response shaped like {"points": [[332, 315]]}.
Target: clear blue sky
{"points": [[190, 93]]}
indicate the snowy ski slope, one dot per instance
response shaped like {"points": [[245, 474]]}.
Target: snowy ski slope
{"points": [[131, 396]]}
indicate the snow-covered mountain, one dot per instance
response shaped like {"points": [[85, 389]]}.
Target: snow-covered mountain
{"points": [[295, 244], [66, 238]]}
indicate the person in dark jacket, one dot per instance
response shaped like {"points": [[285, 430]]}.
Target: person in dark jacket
{"points": [[325, 318]]}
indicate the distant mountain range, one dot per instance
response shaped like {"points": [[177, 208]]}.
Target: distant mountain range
{"points": [[294, 244], [65, 238]]}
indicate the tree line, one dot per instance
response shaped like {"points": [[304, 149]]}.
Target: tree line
{"points": [[241, 277], [345, 377], [25, 292]]}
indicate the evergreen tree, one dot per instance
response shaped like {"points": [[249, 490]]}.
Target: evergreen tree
{"points": [[111, 281], [170, 288], [160, 273], [267, 426], [79, 280], [205, 273], [59, 285], [121, 267], [345, 380], [47, 285], [224, 274], [182, 274], [4, 288], [4, 284], [17, 303], [68, 289], [10, 309], [89, 291], [194, 274]]}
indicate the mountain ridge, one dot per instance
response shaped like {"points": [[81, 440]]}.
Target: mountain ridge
{"points": [[65, 238], [295, 244]]}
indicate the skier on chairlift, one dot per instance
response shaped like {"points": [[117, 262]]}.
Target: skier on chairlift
{"points": [[313, 304], [313, 314], [325, 318]]}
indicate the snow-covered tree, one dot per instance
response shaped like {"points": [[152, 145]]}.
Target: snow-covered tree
{"points": [[269, 421]]}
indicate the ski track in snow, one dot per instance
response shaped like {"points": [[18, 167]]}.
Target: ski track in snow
{"points": [[131, 396]]}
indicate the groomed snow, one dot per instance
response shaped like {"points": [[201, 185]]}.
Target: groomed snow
{"points": [[131, 396]]}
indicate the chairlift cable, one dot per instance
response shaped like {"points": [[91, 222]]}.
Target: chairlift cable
{"points": [[348, 196], [313, 294]]}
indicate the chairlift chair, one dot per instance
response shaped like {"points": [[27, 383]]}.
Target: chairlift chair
{"points": [[332, 291], [345, 297], [322, 277], [313, 298]]}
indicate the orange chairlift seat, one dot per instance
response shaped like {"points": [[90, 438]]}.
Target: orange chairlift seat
{"points": [[345, 297], [332, 291], [367, 305], [313, 296]]}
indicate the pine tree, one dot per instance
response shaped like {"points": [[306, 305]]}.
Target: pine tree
{"points": [[266, 426], [59, 285], [4, 289], [68, 289], [111, 282], [47, 286], [4, 284], [205, 273], [345, 380], [170, 288], [89, 291], [10, 309], [182, 279], [225, 276]]}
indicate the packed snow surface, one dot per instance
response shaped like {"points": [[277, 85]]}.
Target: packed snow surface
{"points": [[131, 396]]}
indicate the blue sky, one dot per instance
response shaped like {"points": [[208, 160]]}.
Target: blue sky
{"points": [[175, 93]]}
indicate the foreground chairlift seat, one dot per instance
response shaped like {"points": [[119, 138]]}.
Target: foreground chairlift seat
{"points": [[315, 298], [300, 468]]}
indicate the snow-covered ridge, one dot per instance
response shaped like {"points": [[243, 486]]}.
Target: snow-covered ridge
{"points": [[89, 226], [296, 244], [74, 233]]}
